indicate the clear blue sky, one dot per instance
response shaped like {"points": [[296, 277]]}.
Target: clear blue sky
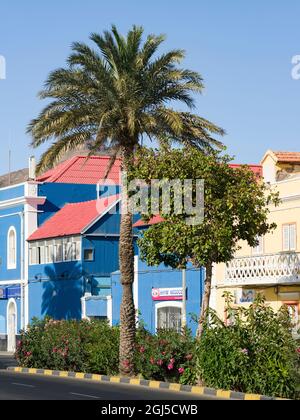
{"points": [[243, 49]]}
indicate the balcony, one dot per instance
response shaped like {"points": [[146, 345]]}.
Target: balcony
{"points": [[271, 269]]}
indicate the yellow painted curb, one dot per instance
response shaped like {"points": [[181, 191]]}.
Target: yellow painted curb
{"points": [[79, 375], [252, 397], [154, 384], [135, 381], [48, 372], [174, 387], [223, 394], [64, 374], [115, 379], [198, 390]]}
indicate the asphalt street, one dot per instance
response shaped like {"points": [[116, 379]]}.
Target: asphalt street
{"points": [[15, 386]]}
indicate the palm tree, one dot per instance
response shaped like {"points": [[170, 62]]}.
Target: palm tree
{"points": [[111, 97]]}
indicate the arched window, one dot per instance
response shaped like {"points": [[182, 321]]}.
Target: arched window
{"points": [[12, 248]]}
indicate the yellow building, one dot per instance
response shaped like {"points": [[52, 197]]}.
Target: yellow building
{"points": [[273, 267]]}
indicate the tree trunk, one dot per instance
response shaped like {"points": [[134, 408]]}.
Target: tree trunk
{"points": [[127, 310], [206, 299]]}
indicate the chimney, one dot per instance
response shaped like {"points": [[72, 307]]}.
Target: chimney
{"points": [[32, 167]]}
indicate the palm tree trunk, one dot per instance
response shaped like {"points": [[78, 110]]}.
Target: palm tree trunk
{"points": [[206, 299], [127, 310]]}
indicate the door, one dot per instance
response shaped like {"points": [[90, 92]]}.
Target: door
{"points": [[11, 326]]}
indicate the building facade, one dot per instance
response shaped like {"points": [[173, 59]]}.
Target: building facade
{"points": [[59, 255], [273, 267]]}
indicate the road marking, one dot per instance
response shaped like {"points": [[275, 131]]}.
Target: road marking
{"points": [[86, 396], [25, 385]]}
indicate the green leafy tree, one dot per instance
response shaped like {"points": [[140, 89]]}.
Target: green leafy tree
{"points": [[110, 97], [236, 208]]}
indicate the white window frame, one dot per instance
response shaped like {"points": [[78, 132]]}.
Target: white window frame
{"points": [[260, 248], [51, 245], [289, 248], [10, 265], [166, 304], [67, 249]]}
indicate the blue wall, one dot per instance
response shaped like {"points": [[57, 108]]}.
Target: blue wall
{"points": [[60, 194], [55, 290], [160, 277], [96, 307], [12, 192]]}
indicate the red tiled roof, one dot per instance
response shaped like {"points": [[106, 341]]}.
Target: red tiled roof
{"points": [[256, 169], [288, 157], [72, 219], [154, 221], [80, 170]]}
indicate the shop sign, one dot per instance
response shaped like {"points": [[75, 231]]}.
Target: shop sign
{"points": [[173, 293]]}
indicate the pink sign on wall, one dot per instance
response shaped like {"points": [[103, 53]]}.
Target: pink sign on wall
{"points": [[174, 293]]}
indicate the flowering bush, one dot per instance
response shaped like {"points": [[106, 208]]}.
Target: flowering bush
{"points": [[167, 356], [70, 346], [255, 354]]}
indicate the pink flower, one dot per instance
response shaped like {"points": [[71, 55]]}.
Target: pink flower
{"points": [[160, 362], [172, 361], [298, 350], [54, 350], [181, 371], [245, 351], [142, 349], [152, 361], [170, 366], [29, 353], [164, 353], [189, 357]]}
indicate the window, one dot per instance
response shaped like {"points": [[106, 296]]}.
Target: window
{"points": [[12, 248], [58, 251], [55, 251], [77, 250], [289, 233], [169, 317], [68, 250], [89, 254], [33, 255], [259, 249]]}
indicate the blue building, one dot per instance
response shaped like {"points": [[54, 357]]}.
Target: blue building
{"points": [[59, 254]]}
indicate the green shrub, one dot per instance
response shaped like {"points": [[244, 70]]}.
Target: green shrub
{"points": [[69, 346], [167, 356], [255, 354], [102, 349]]}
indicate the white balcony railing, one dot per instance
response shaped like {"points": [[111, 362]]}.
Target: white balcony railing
{"points": [[281, 268]]}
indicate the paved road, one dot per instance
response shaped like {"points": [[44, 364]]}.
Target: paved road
{"points": [[15, 386], [7, 360]]}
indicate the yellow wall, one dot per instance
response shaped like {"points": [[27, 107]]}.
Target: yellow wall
{"points": [[287, 212]]}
